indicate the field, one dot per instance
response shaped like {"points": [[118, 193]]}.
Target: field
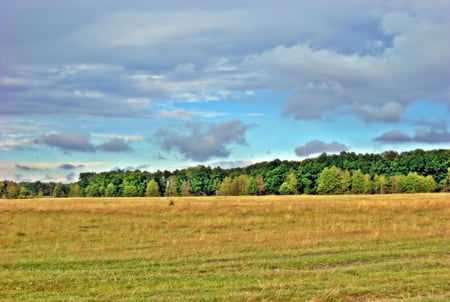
{"points": [[271, 248]]}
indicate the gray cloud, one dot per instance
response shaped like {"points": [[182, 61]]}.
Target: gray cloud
{"points": [[394, 136], [388, 112], [71, 177], [436, 133], [21, 178], [200, 141], [69, 166], [115, 145], [70, 141], [26, 168], [317, 146], [432, 136], [81, 142], [232, 164], [390, 56]]}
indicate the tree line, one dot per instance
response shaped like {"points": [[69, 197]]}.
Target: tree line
{"points": [[344, 173]]}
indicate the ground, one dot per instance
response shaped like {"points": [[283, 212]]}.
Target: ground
{"points": [[272, 248]]}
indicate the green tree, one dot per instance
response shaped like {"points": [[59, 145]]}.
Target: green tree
{"points": [[24, 192], [412, 183], [429, 184], [367, 184], [358, 182], [346, 182], [110, 190], [130, 190], [92, 190], [240, 184], [58, 191], [329, 181], [12, 190], [152, 189], [445, 187], [398, 183], [74, 190], [380, 184], [226, 187], [250, 187], [289, 186]]}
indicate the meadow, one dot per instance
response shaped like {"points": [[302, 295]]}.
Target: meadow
{"points": [[267, 248]]}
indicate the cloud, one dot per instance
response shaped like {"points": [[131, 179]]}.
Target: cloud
{"points": [[160, 157], [394, 136], [131, 168], [200, 141], [81, 142], [69, 141], [70, 166], [434, 134], [232, 164], [183, 54], [317, 146], [71, 177], [388, 112], [26, 168], [21, 178], [115, 145]]}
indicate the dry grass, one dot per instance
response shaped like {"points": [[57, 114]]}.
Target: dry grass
{"points": [[306, 248]]}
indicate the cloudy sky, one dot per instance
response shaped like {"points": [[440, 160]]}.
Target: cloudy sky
{"points": [[102, 85]]}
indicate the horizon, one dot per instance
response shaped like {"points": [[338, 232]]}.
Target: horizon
{"points": [[163, 86], [244, 165]]}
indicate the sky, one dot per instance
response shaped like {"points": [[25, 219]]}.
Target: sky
{"points": [[90, 86]]}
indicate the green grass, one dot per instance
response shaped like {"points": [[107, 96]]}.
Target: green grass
{"points": [[272, 248]]}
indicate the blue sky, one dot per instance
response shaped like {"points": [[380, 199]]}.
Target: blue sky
{"points": [[102, 85]]}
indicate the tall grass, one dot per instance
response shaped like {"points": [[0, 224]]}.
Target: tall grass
{"points": [[273, 248]]}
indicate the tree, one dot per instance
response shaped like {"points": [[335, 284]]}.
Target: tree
{"points": [[260, 187], [240, 184], [92, 190], [358, 182], [380, 184], [172, 186], [12, 190], [289, 186], [110, 190], [74, 190], [429, 184], [130, 190], [152, 189], [398, 183], [329, 181], [367, 184], [24, 192], [2, 189], [185, 189], [275, 177], [346, 182], [411, 183], [445, 184], [250, 187], [58, 191], [226, 187]]}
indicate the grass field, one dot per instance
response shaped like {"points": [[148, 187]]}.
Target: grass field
{"points": [[271, 248]]}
